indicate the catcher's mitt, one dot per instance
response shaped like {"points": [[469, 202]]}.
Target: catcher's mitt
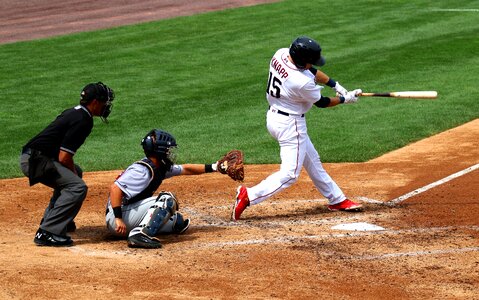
{"points": [[232, 164]]}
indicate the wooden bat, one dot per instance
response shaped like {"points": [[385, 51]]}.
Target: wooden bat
{"points": [[408, 94]]}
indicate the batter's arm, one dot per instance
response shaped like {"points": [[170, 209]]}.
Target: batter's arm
{"points": [[319, 76], [328, 102]]}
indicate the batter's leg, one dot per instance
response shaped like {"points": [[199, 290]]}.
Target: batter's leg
{"points": [[321, 179], [292, 152]]}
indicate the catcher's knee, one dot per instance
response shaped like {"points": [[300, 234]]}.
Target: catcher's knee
{"points": [[160, 213]]}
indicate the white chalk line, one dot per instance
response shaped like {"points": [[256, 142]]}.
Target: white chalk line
{"points": [[290, 238], [431, 185], [296, 239], [269, 223], [413, 254], [456, 9]]}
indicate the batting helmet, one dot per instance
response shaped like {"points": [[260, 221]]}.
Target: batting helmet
{"points": [[304, 50], [159, 143]]}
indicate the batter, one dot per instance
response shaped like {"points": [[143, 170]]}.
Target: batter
{"points": [[291, 92]]}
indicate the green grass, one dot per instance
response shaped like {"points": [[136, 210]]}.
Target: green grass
{"points": [[203, 77]]}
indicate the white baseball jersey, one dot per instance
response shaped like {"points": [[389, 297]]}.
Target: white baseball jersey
{"points": [[290, 89]]}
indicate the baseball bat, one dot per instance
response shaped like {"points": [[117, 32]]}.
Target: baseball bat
{"points": [[408, 94]]}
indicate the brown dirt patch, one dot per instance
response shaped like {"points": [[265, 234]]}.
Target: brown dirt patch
{"points": [[284, 248], [33, 19]]}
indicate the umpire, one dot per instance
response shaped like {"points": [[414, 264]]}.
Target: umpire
{"points": [[48, 158]]}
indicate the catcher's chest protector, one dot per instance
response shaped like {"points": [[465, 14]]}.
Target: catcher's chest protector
{"points": [[157, 177]]}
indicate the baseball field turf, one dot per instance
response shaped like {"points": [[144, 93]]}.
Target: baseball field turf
{"points": [[203, 79]]}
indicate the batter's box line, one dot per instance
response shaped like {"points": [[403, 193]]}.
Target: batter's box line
{"points": [[274, 224], [418, 191], [292, 239], [413, 254]]}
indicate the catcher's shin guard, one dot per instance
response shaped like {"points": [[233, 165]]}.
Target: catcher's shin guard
{"points": [[159, 214], [177, 224]]}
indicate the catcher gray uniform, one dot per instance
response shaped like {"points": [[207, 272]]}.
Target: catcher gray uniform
{"points": [[133, 182]]}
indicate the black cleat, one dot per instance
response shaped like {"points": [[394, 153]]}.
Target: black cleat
{"points": [[45, 238], [140, 240]]}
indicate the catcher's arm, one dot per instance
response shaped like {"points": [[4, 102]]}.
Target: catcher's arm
{"points": [[230, 164], [194, 169]]}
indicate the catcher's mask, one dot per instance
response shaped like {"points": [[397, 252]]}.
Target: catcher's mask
{"points": [[100, 92], [161, 144], [304, 50]]}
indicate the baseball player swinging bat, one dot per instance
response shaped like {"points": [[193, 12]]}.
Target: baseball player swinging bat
{"points": [[408, 94]]}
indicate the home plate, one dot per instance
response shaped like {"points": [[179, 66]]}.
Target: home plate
{"points": [[358, 227]]}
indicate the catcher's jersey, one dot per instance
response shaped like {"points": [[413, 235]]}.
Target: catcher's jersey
{"points": [[136, 178], [290, 89]]}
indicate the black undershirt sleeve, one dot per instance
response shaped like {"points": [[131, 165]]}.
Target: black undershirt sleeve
{"points": [[323, 102]]}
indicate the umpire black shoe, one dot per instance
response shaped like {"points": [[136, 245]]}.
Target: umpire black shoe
{"points": [[140, 240], [45, 238]]}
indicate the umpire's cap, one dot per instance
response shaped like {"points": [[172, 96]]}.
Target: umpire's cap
{"points": [[305, 50]]}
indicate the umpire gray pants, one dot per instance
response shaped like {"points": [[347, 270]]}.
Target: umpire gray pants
{"points": [[69, 191]]}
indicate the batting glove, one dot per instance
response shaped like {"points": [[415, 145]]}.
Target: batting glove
{"points": [[352, 97], [340, 90]]}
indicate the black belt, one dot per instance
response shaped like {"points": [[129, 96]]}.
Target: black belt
{"points": [[283, 112]]}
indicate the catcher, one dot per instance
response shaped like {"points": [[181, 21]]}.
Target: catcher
{"points": [[133, 212]]}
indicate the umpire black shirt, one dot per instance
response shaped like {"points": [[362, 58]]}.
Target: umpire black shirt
{"points": [[67, 132]]}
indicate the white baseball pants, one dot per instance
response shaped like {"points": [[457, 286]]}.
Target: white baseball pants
{"points": [[296, 150]]}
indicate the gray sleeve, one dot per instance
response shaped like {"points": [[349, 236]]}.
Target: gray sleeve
{"points": [[134, 180], [175, 171]]}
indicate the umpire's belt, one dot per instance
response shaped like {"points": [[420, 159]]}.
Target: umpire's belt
{"points": [[284, 113]]}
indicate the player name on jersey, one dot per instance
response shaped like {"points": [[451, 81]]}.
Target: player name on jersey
{"points": [[278, 67]]}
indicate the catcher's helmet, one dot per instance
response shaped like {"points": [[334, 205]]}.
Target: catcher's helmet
{"points": [[159, 143], [304, 50], [100, 92]]}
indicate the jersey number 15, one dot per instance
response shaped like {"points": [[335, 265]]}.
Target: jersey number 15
{"points": [[273, 87]]}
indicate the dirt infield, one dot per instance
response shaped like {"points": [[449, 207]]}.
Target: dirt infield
{"points": [[284, 248]]}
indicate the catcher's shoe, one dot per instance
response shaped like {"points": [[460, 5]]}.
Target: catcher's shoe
{"points": [[346, 205], [140, 240], [183, 227], [45, 238], [242, 201]]}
